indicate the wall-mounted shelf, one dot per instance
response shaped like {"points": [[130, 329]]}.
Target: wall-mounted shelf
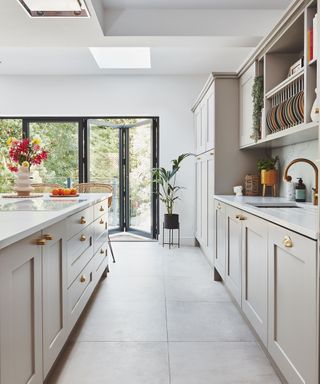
{"points": [[285, 83], [298, 134]]}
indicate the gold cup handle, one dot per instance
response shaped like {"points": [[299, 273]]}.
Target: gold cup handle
{"points": [[83, 220], [101, 221], [83, 238], [102, 251], [101, 209], [287, 242], [41, 241], [48, 237], [83, 279]]}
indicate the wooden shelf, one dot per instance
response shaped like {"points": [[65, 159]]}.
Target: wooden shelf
{"points": [[285, 83], [298, 134]]}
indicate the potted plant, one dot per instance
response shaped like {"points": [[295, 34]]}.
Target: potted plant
{"points": [[268, 170], [168, 192]]}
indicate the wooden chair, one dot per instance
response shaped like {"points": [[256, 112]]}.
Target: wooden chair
{"points": [[97, 188], [45, 187]]}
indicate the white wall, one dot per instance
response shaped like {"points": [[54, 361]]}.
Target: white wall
{"points": [[169, 97]]}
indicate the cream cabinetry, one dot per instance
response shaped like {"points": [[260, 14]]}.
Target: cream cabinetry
{"points": [[54, 293], [220, 238], [292, 340], [246, 106], [233, 252], [205, 189], [21, 313], [272, 274], [45, 282]]}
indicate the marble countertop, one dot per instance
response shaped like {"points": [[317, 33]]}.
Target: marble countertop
{"points": [[303, 220], [17, 225]]}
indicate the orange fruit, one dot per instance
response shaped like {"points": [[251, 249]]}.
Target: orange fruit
{"points": [[73, 191], [55, 192], [60, 192], [67, 192]]}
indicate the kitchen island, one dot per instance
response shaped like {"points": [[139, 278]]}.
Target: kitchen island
{"points": [[53, 252]]}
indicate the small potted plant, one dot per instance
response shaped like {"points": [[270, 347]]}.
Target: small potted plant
{"points": [[168, 193], [268, 170]]}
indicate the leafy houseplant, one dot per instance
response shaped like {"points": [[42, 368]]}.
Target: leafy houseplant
{"points": [[168, 193], [257, 96], [268, 170]]}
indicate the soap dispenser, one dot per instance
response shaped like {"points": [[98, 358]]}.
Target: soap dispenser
{"points": [[300, 191]]}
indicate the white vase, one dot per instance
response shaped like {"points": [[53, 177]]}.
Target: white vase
{"points": [[315, 109], [23, 182]]}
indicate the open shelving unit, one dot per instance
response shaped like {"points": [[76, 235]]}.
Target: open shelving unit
{"points": [[286, 116]]}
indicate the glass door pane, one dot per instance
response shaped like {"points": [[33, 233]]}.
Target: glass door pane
{"points": [[62, 142], [104, 161], [140, 186]]}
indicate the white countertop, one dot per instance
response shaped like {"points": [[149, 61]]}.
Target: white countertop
{"points": [[16, 225], [303, 220]]}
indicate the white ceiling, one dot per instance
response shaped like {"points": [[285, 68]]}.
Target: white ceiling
{"points": [[196, 4], [60, 46]]}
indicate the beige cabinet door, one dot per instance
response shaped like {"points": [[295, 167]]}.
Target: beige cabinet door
{"points": [[54, 287], [246, 106], [21, 313], [292, 312], [204, 124], [255, 273], [210, 120], [199, 146], [220, 238], [209, 206], [201, 190], [233, 252]]}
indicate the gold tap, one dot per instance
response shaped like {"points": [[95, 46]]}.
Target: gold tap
{"points": [[315, 189]]}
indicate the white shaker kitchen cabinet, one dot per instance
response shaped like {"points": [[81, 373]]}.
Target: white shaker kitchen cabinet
{"points": [[292, 312], [209, 134], [233, 251], [255, 273], [204, 198], [220, 238], [246, 106], [200, 139], [21, 313], [54, 290]]}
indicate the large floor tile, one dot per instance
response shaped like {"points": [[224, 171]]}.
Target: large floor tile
{"points": [[192, 289], [113, 363], [187, 265], [123, 321], [220, 363], [191, 321], [132, 288]]}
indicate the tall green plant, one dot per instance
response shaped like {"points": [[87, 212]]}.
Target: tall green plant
{"points": [[166, 179], [257, 97]]}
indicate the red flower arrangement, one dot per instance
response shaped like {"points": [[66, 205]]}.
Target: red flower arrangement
{"points": [[25, 152]]}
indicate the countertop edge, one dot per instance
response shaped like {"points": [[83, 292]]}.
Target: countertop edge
{"points": [[15, 237], [273, 219]]}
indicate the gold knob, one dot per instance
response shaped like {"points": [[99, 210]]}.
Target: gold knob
{"points": [[198, 158], [102, 251], [212, 153], [41, 241], [83, 220], [83, 278], [48, 237], [101, 209], [101, 221], [287, 242], [240, 217], [83, 238]]}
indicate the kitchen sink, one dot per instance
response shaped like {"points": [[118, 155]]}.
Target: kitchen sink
{"points": [[39, 205], [274, 205]]}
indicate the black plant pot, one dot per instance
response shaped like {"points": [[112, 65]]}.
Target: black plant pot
{"points": [[171, 221]]}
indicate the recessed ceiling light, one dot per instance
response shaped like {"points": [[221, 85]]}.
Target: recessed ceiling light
{"points": [[55, 8], [122, 57]]}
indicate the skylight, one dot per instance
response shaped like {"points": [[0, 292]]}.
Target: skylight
{"points": [[122, 57], [55, 8]]}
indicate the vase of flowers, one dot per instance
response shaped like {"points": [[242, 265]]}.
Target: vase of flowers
{"points": [[22, 155]]}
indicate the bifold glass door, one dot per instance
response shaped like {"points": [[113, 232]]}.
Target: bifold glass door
{"points": [[121, 152]]}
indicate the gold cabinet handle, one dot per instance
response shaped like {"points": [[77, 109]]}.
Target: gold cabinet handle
{"points": [[83, 279], [240, 217], [101, 209], [102, 251], [101, 221], [41, 241], [287, 242], [48, 237], [83, 238], [83, 220], [212, 153]]}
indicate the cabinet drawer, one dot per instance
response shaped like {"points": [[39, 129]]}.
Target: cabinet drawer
{"points": [[78, 264], [99, 233], [79, 243], [79, 287], [78, 221], [100, 209], [100, 257]]}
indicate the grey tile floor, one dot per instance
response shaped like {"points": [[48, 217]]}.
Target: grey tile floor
{"points": [[160, 319]]}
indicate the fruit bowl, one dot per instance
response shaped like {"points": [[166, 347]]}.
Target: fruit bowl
{"points": [[64, 192]]}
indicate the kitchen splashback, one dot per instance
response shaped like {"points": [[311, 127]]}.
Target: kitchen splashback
{"points": [[308, 150]]}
